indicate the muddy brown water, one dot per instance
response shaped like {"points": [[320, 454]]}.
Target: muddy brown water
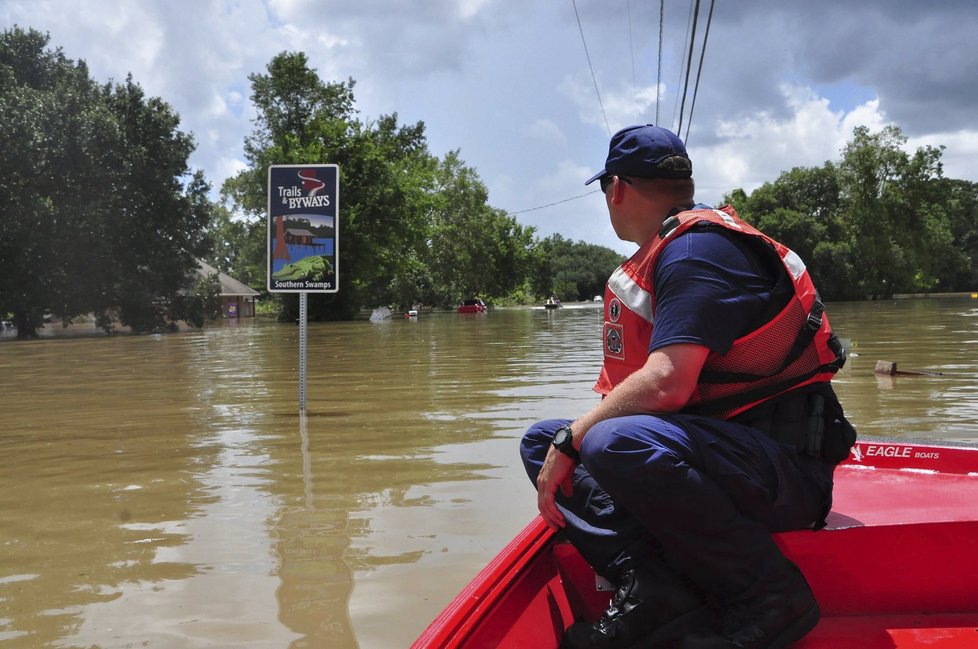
{"points": [[164, 491]]}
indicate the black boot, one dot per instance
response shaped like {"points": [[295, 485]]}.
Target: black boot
{"points": [[772, 615], [651, 608]]}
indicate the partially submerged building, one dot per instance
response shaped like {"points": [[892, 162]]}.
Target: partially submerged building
{"points": [[237, 299]]}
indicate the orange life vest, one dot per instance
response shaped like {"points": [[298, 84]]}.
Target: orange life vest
{"points": [[795, 348]]}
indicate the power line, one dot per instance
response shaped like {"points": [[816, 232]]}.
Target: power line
{"points": [[591, 67], [699, 71], [658, 76], [686, 65], [600, 103], [682, 63], [540, 207], [689, 65]]}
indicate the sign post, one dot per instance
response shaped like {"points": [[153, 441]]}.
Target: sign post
{"points": [[303, 239]]}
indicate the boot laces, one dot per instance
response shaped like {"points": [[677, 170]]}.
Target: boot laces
{"points": [[619, 601]]}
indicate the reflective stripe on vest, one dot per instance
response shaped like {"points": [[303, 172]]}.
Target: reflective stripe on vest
{"points": [[795, 348]]}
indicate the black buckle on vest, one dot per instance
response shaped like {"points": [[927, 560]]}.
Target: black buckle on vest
{"points": [[668, 226], [840, 353], [814, 321]]}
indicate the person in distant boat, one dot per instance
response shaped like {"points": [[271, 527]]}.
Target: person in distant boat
{"points": [[718, 423]]}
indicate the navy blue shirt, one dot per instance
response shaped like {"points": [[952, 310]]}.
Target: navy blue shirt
{"points": [[713, 286]]}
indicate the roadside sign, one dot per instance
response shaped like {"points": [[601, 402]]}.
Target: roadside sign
{"points": [[303, 228]]}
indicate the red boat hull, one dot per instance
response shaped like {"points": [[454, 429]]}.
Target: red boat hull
{"points": [[897, 567], [472, 306]]}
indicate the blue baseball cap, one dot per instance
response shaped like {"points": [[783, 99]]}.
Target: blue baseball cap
{"points": [[639, 151]]}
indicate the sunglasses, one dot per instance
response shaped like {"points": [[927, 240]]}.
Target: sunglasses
{"points": [[606, 180]]}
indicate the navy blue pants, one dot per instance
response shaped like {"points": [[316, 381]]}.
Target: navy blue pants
{"points": [[702, 493]]}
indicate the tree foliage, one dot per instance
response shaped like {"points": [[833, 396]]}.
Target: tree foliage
{"points": [[881, 221], [573, 271], [302, 120], [474, 249], [961, 258], [100, 210], [239, 247], [413, 228]]}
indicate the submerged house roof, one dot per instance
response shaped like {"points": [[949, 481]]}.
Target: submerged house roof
{"points": [[229, 285]]}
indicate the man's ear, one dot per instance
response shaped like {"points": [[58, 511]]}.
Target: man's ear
{"points": [[617, 190]]}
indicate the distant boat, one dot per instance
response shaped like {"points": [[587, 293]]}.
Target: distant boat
{"points": [[552, 303], [472, 306]]}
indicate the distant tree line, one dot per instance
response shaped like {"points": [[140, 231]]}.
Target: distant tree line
{"points": [[879, 222], [100, 212]]}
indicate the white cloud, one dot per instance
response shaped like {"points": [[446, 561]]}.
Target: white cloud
{"points": [[869, 115], [507, 82], [757, 150], [469, 8], [628, 104], [621, 104], [545, 130], [960, 158]]}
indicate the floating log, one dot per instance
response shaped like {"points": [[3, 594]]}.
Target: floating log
{"points": [[889, 368]]}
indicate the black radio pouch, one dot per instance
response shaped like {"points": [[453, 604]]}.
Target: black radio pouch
{"points": [[809, 418]]}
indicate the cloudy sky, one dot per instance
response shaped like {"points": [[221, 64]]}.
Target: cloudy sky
{"points": [[508, 82]]}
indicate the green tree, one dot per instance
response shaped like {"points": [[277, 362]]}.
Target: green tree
{"points": [[961, 257], [802, 208], [200, 304], [158, 219], [893, 219], [552, 255], [96, 213], [51, 112], [881, 221], [475, 250], [389, 176], [589, 269], [385, 178], [574, 271], [240, 247]]}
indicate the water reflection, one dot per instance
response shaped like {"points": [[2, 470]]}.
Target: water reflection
{"points": [[165, 490]]}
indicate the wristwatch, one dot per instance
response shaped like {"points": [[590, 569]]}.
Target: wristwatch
{"points": [[564, 442]]}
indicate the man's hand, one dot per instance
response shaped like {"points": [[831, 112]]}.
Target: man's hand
{"points": [[556, 473], [664, 384]]}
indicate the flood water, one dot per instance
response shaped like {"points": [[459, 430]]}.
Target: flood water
{"points": [[163, 491]]}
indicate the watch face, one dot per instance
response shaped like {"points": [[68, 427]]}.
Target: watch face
{"points": [[564, 442], [562, 438]]}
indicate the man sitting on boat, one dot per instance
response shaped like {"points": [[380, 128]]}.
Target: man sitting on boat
{"points": [[718, 424]]}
